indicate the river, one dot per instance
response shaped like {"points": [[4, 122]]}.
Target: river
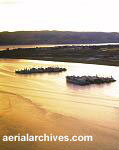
{"points": [[45, 103], [10, 47]]}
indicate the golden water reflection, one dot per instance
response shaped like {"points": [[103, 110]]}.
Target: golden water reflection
{"points": [[46, 103]]}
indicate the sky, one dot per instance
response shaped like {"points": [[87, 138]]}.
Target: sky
{"points": [[64, 15]]}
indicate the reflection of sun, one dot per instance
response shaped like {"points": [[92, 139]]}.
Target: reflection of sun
{"points": [[112, 90]]}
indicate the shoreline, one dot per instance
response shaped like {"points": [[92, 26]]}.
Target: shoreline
{"points": [[82, 62]]}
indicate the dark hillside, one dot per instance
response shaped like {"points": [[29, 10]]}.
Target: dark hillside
{"points": [[57, 37]]}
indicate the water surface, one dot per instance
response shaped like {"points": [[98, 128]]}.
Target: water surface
{"points": [[4, 47], [45, 103]]}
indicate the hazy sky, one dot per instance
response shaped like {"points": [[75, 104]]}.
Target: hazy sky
{"points": [[73, 15]]}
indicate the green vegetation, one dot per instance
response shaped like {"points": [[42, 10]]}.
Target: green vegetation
{"points": [[104, 55]]}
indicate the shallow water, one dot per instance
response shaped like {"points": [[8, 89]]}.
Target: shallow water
{"points": [[4, 47], [43, 103]]}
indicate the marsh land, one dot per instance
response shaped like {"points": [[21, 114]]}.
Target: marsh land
{"points": [[93, 54]]}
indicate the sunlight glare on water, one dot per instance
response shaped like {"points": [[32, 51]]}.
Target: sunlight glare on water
{"points": [[47, 98]]}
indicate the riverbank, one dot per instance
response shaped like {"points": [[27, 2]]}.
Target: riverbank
{"points": [[98, 54]]}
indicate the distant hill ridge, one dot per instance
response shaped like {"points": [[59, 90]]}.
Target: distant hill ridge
{"points": [[57, 37]]}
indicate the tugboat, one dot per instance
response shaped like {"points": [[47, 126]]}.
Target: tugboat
{"points": [[40, 70], [87, 80]]}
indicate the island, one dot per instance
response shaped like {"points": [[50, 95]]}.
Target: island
{"points": [[89, 54], [40, 70], [88, 80]]}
